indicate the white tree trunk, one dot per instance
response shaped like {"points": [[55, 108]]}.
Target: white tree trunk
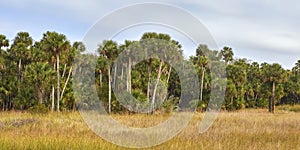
{"points": [[100, 77], [155, 87], [19, 76], [273, 98], [122, 72], [66, 83], [202, 83], [109, 88], [58, 82], [169, 74], [115, 76], [52, 97], [64, 72], [129, 76]]}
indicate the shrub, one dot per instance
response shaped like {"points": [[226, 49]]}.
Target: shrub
{"points": [[39, 109], [295, 108], [169, 105]]}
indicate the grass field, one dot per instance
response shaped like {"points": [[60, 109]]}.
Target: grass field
{"points": [[247, 129]]}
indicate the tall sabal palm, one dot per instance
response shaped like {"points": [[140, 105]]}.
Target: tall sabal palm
{"points": [[227, 54], [20, 51], [203, 62], [273, 74], [127, 46], [174, 56], [159, 45], [109, 50], [55, 44]]}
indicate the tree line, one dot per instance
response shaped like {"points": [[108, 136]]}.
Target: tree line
{"points": [[39, 73]]}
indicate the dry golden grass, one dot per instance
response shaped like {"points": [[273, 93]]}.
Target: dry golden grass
{"points": [[247, 129]]}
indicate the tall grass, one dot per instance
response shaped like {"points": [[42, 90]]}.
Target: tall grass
{"points": [[249, 129], [295, 108]]}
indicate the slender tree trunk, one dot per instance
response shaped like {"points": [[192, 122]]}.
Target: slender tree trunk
{"points": [[66, 83], [53, 92], [64, 72], [149, 82], [19, 76], [129, 76], [169, 74], [115, 76], [52, 97], [202, 83], [109, 88], [155, 87], [273, 98], [122, 73], [58, 82], [100, 77]]}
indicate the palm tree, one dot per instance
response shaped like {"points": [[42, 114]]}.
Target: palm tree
{"points": [[203, 62], [109, 50], [273, 74], [39, 74], [21, 51], [160, 44], [55, 44], [227, 54], [3, 41]]}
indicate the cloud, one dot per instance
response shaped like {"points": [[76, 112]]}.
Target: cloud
{"points": [[251, 25]]}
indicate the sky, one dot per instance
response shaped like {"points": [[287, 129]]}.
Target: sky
{"points": [[259, 30]]}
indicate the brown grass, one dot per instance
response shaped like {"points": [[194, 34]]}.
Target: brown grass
{"points": [[247, 129]]}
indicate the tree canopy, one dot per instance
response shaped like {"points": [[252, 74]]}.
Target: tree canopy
{"points": [[39, 73]]}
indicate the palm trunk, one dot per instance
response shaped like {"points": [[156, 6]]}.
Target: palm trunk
{"points": [[122, 72], [64, 72], [202, 83], [169, 74], [52, 97], [58, 82], [100, 78], [149, 82], [115, 76], [129, 76], [155, 87], [273, 98], [109, 88], [66, 83], [19, 77]]}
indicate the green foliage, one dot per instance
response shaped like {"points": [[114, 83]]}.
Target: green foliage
{"points": [[170, 104], [295, 108], [292, 108], [29, 69], [38, 109]]}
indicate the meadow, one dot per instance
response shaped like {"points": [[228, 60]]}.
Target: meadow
{"points": [[245, 129]]}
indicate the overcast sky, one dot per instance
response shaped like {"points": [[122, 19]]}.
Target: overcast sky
{"points": [[260, 30]]}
